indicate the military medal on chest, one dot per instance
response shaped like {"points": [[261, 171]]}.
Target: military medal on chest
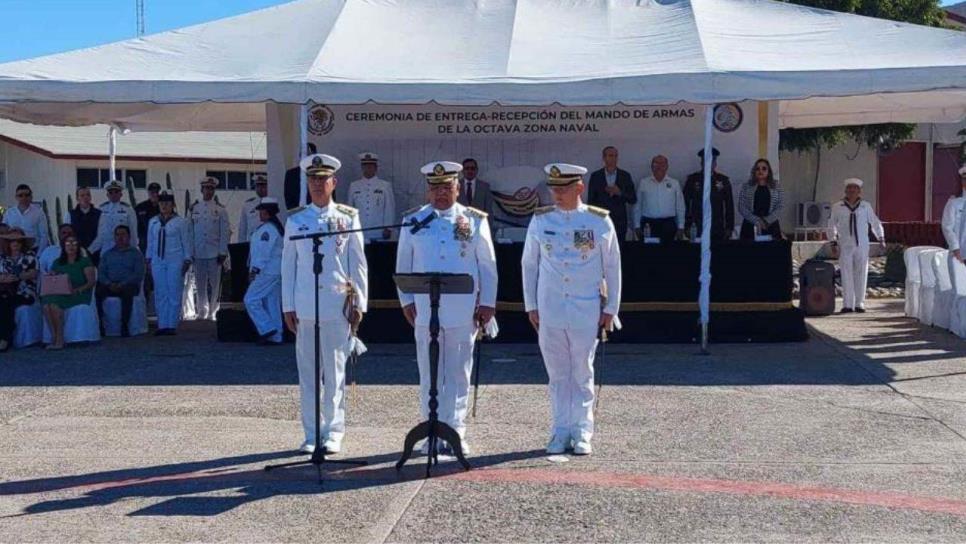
{"points": [[584, 241]]}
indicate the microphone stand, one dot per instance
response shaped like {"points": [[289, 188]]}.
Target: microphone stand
{"points": [[318, 455]]}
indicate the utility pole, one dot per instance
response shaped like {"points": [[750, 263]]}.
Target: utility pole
{"points": [[140, 16]]}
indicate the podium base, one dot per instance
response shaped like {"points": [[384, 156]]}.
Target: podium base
{"points": [[433, 431]]}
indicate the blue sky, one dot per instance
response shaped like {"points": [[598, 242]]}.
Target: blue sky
{"points": [[40, 27]]}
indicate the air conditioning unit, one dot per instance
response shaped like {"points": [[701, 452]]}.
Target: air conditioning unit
{"points": [[814, 215]]}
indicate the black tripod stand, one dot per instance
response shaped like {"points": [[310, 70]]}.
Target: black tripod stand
{"points": [[432, 429], [318, 455]]}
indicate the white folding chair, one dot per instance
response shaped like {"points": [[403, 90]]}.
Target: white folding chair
{"points": [[957, 311], [943, 299], [913, 279], [927, 286], [139, 316], [28, 325], [80, 324]]}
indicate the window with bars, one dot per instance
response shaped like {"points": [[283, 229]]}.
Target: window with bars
{"points": [[234, 180], [95, 178]]}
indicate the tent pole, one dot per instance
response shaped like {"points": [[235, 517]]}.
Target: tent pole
{"points": [[112, 151], [303, 143], [705, 274]]}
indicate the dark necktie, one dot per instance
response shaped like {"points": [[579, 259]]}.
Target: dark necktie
{"points": [[469, 193], [853, 225]]}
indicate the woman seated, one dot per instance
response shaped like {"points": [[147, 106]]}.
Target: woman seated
{"points": [[18, 280], [76, 264], [760, 203]]}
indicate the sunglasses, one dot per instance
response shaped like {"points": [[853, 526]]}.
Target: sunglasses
{"points": [[761, 168], [23, 195]]}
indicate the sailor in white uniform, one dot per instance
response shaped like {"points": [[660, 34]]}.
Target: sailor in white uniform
{"points": [[209, 227], [456, 239], [849, 225], [114, 212], [30, 217], [263, 299], [249, 219], [954, 217], [342, 289], [373, 198], [571, 290], [168, 256]]}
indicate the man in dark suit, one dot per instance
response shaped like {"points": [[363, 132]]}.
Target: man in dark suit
{"points": [[474, 191], [722, 200], [613, 189], [293, 182]]}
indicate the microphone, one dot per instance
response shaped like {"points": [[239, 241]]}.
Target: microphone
{"points": [[420, 225]]}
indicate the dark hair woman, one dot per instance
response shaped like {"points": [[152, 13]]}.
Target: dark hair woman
{"points": [[80, 271], [761, 202]]}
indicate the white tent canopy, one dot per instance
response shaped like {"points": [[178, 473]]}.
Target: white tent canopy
{"points": [[511, 52]]}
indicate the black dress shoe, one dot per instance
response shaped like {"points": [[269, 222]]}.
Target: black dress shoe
{"points": [[846, 311], [860, 310], [159, 332]]}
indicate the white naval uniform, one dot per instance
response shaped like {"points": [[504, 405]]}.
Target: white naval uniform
{"points": [[376, 203], [567, 257], [209, 226], [248, 221], [112, 215], [854, 247], [659, 200], [33, 222], [344, 261], [953, 223], [169, 247], [457, 241], [263, 299]]}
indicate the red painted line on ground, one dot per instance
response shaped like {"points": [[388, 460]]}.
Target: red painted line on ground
{"points": [[700, 485]]}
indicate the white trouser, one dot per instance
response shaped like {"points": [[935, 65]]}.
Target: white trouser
{"points": [[854, 268], [453, 379], [569, 357], [334, 349], [263, 300], [208, 275], [188, 298], [168, 287]]}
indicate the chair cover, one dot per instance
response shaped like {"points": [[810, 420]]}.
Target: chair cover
{"points": [[28, 325], [80, 324], [957, 312], [927, 286], [913, 279], [943, 299], [112, 316]]}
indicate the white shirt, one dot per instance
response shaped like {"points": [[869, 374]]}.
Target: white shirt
{"points": [[344, 261], [266, 250], [952, 222], [457, 241], [610, 177], [33, 221], [112, 215], [567, 257], [209, 226], [169, 241], [840, 224], [249, 221], [376, 203], [659, 199]]}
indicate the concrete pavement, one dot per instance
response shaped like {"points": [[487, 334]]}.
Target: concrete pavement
{"points": [[857, 435]]}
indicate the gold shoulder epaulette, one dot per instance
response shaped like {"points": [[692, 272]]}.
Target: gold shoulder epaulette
{"points": [[542, 210], [411, 211], [479, 214], [294, 211], [348, 210], [598, 211]]}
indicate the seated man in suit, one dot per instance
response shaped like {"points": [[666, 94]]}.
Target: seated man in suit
{"points": [[612, 189]]}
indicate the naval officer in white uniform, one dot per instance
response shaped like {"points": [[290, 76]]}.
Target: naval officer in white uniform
{"points": [[571, 290], [342, 288], [209, 226], [169, 254], [263, 299], [850, 223], [954, 217], [373, 198], [250, 219], [114, 212], [456, 240]]}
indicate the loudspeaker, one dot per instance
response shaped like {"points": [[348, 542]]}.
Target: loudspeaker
{"points": [[816, 287]]}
